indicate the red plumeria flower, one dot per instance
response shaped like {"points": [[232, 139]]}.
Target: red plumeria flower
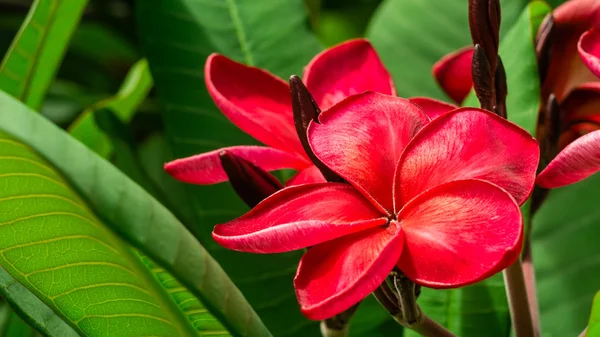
{"points": [[577, 161], [259, 103], [437, 198], [573, 72]]}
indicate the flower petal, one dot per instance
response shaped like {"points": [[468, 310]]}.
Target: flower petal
{"points": [[459, 233], [254, 100], [453, 74], [206, 169], [432, 107], [309, 175], [577, 161], [362, 137], [335, 275], [582, 104], [468, 143], [298, 217], [566, 70], [349, 68], [589, 50]]}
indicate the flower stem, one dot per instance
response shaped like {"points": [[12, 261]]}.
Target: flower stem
{"points": [[327, 331], [430, 328], [518, 302]]}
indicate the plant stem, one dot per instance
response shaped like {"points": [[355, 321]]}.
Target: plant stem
{"points": [[327, 331], [518, 302], [430, 328], [530, 286]]}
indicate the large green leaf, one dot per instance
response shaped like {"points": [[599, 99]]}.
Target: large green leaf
{"points": [[192, 308], [263, 33], [52, 244], [566, 256], [127, 210], [36, 52], [132, 93], [36, 313], [593, 328], [412, 35]]}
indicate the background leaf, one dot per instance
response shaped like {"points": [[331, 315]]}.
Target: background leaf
{"points": [[593, 328], [263, 33], [124, 104], [411, 36], [133, 214], [36, 52], [567, 263]]}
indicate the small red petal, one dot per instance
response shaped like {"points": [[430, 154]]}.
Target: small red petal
{"points": [[468, 143], [577, 161], [206, 168], [254, 100], [453, 74], [589, 50], [298, 217], [309, 175], [362, 137], [459, 233], [349, 68], [433, 108], [335, 275]]}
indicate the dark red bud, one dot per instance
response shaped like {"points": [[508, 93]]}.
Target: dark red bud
{"points": [[306, 110], [484, 21], [251, 183], [543, 45], [501, 89], [482, 79]]}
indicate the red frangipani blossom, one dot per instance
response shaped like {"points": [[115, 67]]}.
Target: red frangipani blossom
{"points": [[437, 198], [259, 104]]}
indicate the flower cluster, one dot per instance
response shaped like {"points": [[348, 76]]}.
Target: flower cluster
{"points": [[571, 74], [429, 188]]}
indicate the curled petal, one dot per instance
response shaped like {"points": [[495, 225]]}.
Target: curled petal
{"points": [[566, 70], [349, 68], [453, 74], [206, 168], [468, 143], [309, 175], [577, 161], [298, 217], [362, 137], [459, 233], [589, 50], [254, 100], [432, 107], [335, 275]]}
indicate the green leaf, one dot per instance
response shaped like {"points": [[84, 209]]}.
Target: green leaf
{"points": [[566, 256], [36, 52], [517, 51], [32, 309], [129, 211], [191, 307], [52, 244], [410, 36], [124, 104], [263, 33], [593, 328]]}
